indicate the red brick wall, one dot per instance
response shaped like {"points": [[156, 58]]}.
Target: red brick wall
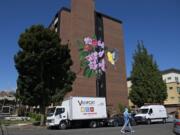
{"points": [[80, 22], [115, 76], [65, 23]]}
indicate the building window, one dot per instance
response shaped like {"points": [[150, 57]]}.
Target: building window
{"points": [[170, 88], [164, 80], [177, 79], [172, 97], [178, 90], [169, 78]]}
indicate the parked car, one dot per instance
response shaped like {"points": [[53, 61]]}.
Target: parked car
{"points": [[170, 118], [176, 127], [118, 120]]}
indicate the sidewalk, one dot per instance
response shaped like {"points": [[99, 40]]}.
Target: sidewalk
{"points": [[25, 126]]}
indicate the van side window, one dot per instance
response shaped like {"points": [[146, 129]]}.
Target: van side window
{"points": [[59, 111], [150, 111]]}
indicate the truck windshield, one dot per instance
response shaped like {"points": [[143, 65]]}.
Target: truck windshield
{"points": [[50, 111], [143, 111]]}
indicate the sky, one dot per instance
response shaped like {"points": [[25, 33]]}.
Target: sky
{"points": [[156, 22]]}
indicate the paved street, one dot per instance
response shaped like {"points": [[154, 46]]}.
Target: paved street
{"points": [[154, 129]]}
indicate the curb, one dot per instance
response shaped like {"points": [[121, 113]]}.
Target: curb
{"points": [[19, 125]]}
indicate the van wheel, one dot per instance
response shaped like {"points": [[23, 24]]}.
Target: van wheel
{"points": [[133, 123], [93, 124], [148, 121], [164, 121], [62, 125]]}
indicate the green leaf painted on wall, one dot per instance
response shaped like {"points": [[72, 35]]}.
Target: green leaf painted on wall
{"points": [[83, 55], [94, 37], [80, 45], [88, 72], [84, 63]]}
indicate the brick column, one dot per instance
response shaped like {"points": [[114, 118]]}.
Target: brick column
{"points": [[82, 24], [116, 76]]}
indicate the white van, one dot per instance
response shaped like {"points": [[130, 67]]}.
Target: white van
{"points": [[151, 113]]}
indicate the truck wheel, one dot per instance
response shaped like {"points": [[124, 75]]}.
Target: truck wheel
{"points": [[62, 125], [148, 121], [115, 124], [93, 124], [164, 121]]}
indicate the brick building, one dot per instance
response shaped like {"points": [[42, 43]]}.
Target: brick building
{"points": [[80, 21]]}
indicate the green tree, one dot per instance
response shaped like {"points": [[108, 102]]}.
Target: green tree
{"points": [[147, 83], [43, 65], [121, 108]]}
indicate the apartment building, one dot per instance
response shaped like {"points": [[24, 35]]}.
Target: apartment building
{"points": [[82, 20], [172, 79]]}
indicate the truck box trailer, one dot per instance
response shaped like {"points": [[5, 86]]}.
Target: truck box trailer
{"points": [[78, 111]]}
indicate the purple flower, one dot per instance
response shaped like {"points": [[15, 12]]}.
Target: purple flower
{"points": [[102, 65], [92, 66], [101, 53], [101, 44], [92, 59], [95, 54]]}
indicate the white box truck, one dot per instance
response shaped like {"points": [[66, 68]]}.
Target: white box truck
{"points": [[151, 113], [78, 111]]}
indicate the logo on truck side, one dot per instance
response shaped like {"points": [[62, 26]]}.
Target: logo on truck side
{"points": [[87, 109], [86, 102]]}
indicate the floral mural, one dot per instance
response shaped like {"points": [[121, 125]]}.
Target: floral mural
{"points": [[92, 54]]}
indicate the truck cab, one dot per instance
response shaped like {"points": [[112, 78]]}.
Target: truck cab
{"points": [[57, 116]]}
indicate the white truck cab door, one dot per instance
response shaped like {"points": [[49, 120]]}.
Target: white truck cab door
{"points": [[60, 115], [151, 113]]}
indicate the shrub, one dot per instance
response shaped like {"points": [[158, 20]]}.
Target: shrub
{"points": [[35, 116]]}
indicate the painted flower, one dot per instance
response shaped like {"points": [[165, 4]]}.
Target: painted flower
{"points": [[102, 65], [87, 40], [101, 44], [101, 53], [94, 42], [87, 48], [93, 66], [93, 58]]}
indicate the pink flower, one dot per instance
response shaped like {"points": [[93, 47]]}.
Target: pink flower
{"points": [[87, 40], [94, 42], [92, 66], [95, 59]]}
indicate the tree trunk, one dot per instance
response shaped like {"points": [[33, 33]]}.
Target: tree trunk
{"points": [[43, 118], [42, 106]]}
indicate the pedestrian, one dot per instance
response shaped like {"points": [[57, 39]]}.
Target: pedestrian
{"points": [[126, 122]]}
